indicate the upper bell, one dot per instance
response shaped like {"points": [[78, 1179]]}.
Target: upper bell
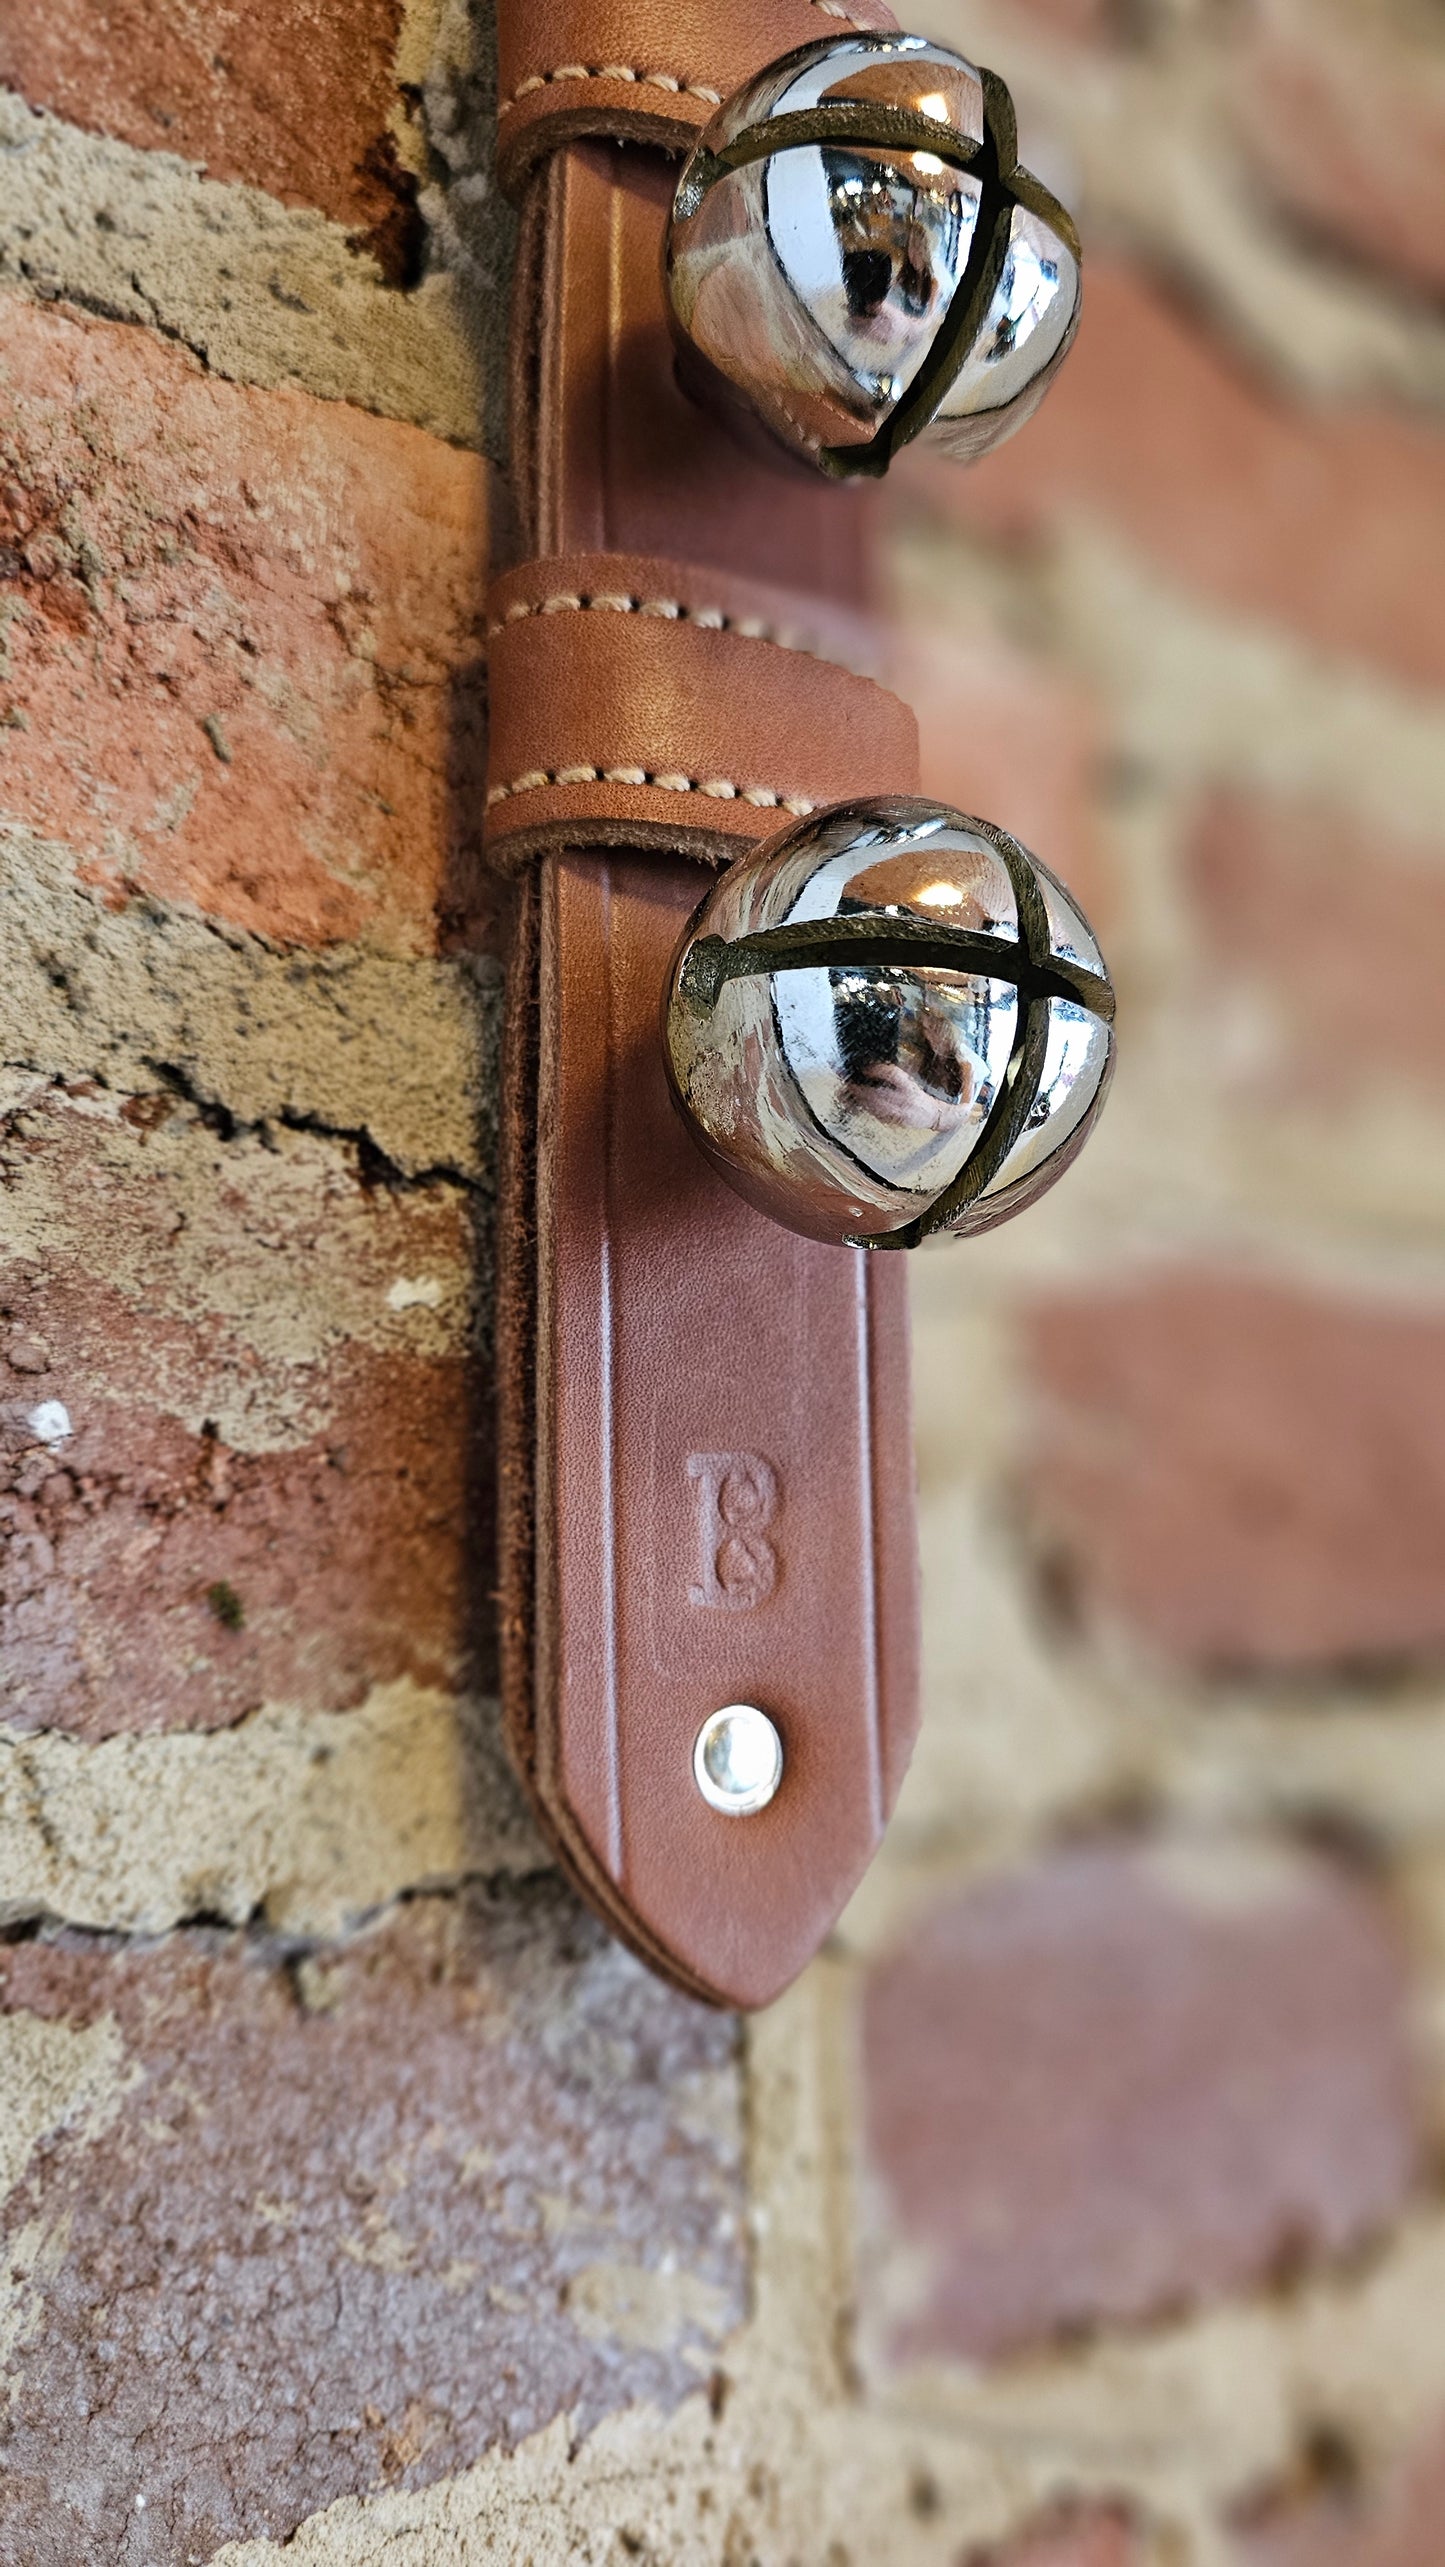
{"points": [[855, 251]]}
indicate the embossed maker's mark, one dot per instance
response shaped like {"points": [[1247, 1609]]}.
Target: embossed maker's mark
{"points": [[737, 1499]]}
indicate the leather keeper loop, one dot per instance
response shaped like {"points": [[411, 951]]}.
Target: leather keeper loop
{"points": [[641, 71], [635, 702]]}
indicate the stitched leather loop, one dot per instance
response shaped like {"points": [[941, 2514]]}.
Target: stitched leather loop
{"points": [[639, 702], [648, 71]]}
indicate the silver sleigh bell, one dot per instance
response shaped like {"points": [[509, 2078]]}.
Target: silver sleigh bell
{"points": [[854, 251], [889, 1021]]}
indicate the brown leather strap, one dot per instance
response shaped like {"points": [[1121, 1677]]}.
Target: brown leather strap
{"points": [[642, 71], [676, 1372], [638, 702], [690, 1350]]}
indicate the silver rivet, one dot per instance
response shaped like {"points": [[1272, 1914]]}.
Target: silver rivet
{"points": [[738, 1760]]}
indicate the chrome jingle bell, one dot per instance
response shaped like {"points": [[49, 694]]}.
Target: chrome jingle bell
{"points": [[889, 1021], [854, 252]]}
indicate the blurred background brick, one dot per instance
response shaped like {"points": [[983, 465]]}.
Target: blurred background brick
{"points": [[1003, 733], [1344, 110], [1301, 906], [1096, 2540], [1330, 523], [1254, 1477], [1128, 2081]]}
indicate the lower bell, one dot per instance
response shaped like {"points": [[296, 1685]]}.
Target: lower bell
{"points": [[887, 1022]]}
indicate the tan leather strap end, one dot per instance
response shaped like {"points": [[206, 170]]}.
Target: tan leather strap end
{"points": [[641, 71], [637, 702]]}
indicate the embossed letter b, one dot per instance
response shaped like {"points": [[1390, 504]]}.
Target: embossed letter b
{"points": [[737, 1498]]}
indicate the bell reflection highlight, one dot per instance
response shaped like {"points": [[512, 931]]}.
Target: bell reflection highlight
{"points": [[887, 1022], [900, 234], [855, 251]]}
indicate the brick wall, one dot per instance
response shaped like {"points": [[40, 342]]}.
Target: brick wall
{"points": [[1082, 2207]]}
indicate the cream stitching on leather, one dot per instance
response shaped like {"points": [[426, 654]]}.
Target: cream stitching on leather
{"points": [[612, 71], [804, 435], [667, 609], [717, 787]]}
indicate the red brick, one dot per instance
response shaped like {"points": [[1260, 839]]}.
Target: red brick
{"points": [[1397, 2528], [1331, 521], [353, 2242], [1252, 1477], [1295, 899], [1345, 117], [1075, 2540], [1011, 737], [1319, 2531], [242, 639], [1123, 2082], [159, 1569], [157, 1579], [294, 98]]}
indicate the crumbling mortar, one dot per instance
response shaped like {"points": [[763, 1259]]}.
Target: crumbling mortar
{"points": [[311, 1821], [411, 1040], [104, 307], [252, 290], [211, 1930], [375, 1166]]}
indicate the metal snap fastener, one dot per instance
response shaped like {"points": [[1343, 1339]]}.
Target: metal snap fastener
{"points": [[737, 1760]]}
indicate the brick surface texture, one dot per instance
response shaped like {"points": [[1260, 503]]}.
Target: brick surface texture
{"points": [[294, 2242], [180, 1569], [240, 634], [298, 100], [359, 2199]]}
